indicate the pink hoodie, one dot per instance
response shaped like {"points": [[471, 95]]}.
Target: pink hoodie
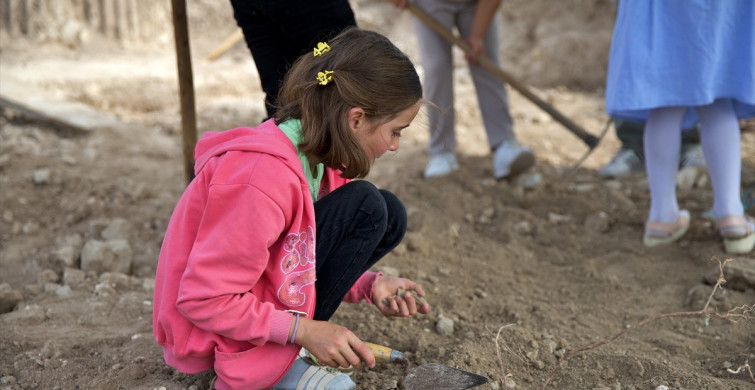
{"points": [[238, 252]]}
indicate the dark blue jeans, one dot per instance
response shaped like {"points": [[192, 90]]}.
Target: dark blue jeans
{"points": [[357, 224], [278, 32]]}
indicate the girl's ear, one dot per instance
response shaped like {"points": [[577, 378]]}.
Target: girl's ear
{"points": [[356, 118]]}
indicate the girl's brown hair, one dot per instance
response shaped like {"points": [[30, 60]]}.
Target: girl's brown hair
{"points": [[368, 72]]}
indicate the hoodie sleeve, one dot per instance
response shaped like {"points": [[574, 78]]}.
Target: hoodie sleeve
{"points": [[230, 253], [362, 289]]}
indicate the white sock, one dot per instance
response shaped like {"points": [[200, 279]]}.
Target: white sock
{"points": [[720, 138], [662, 143]]}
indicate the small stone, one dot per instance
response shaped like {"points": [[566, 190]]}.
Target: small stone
{"points": [[47, 276], [637, 370], [41, 176], [73, 277], [8, 380], [528, 181], [598, 223], [523, 228], [444, 326], [583, 187], [558, 218], [8, 298]]}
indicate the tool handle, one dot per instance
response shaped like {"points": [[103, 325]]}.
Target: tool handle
{"points": [[590, 140], [384, 354]]}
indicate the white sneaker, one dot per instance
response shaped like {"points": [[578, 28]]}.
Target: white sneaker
{"points": [[511, 159], [441, 164], [305, 375], [692, 156], [623, 163]]}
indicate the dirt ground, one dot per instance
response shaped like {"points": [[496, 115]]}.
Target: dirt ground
{"points": [[526, 271]]}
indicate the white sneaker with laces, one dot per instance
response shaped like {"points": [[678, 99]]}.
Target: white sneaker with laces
{"points": [[441, 164], [623, 163], [511, 159]]}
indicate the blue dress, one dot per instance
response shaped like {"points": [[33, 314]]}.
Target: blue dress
{"points": [[667, 53]]}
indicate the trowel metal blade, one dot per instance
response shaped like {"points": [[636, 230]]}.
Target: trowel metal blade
{"points": [[434, 376]]}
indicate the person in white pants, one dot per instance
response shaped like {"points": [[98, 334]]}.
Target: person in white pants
{"points": [[478, 24]]}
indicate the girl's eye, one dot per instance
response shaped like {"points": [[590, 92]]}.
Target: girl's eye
{"points": [[396, 134]]}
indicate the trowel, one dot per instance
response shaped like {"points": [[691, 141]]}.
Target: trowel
{"points": [[431, 376]]}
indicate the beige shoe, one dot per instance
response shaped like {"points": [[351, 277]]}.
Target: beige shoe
{"points": [[662, 233], [738, 233]]}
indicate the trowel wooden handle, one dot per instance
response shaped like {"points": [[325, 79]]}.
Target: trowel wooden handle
{"points": [[384, 354]]}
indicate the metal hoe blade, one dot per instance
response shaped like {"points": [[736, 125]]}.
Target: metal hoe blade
{"points": [[434, 376]]}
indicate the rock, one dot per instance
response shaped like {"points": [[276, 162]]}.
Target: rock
{"points": [[558, 218], [30, 227], [104, 290], [69, 250], [689, 177], [41, 176], [8, 380], [637, 370], [116, 280], [47, 276], [739, 274], [598, 223], [148, 284], [8, 298], [64, 292], [97, 226], [529, 181], [583, 187], [444, 326], [73, 34], [29, 315], [118, 228], [73, 277], [523, 228], [107, 256]]}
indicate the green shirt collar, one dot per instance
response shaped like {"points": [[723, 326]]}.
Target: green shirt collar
{"points": [[292, 129]]}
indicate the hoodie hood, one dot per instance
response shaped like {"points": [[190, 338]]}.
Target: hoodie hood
{"points": [[265, 138]]}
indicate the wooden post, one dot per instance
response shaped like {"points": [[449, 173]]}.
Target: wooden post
{"points": [[185, 85]]}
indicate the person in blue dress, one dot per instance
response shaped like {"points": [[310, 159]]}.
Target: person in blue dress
{"points": [[674, 63]]}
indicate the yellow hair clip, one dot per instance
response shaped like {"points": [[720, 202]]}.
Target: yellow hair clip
{"points": [[321, 48], [325, 77]]}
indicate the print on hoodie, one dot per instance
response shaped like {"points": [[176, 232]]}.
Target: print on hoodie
{"points": [[300, 252]]}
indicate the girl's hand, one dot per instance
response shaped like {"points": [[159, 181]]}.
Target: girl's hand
{"points": [[384, 296], [333, 345], [477, 47], [401, 4]]}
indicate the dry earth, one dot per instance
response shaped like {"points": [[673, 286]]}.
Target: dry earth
{"points": [[525, 271]]}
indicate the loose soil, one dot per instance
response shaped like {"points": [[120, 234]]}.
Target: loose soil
{"points": [[525, 270]]}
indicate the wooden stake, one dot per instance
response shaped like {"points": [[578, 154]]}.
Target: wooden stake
{"points": [[227, 44], [185, 85]]}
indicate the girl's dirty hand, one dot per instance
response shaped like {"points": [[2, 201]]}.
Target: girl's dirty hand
{"points": [[398, 297], [333, 345]]}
